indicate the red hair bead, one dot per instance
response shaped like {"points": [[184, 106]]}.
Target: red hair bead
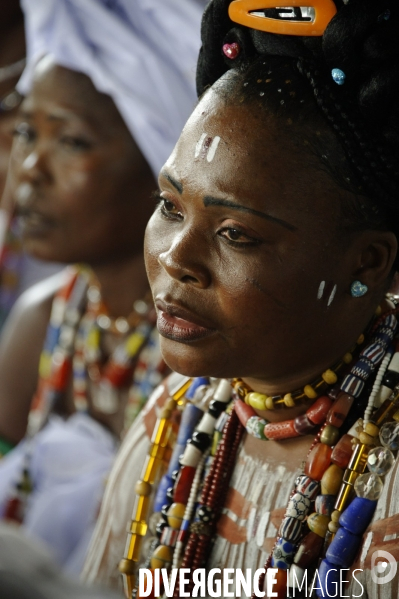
{"points": [[231, 50]]}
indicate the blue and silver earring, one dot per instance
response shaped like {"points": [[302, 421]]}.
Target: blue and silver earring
{"points": [[358, 289]]}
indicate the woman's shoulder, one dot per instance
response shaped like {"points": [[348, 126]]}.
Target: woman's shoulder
{"points": [[20, 348], [33, 307]]}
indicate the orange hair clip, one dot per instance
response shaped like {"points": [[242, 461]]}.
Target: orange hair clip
{"points": [[246, 12]]}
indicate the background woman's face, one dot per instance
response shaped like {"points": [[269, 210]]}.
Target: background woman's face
{"points": [[245, 232], [77, 176]]}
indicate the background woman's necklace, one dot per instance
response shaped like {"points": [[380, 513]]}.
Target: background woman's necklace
{"points": [[74, 351]]}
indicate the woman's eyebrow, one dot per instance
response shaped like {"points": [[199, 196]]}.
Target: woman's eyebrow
{"points": [[211, 201], [176, 184]]}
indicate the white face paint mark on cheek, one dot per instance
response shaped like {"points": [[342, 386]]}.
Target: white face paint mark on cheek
{"points": [[321, 290], [199, 145], [212, 148], [332, 295]]}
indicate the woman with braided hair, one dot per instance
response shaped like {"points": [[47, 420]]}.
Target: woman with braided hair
{"points": [[269, 255]]}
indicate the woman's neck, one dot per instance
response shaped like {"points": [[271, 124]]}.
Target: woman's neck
{"points": [[121, 284]]}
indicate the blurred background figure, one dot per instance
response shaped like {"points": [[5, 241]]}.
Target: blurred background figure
{"points": [[108, 87], [27, 572], [18, 270]]}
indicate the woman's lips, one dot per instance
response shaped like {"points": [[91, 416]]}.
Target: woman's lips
{"points": [[173, 325], [34, 223]]}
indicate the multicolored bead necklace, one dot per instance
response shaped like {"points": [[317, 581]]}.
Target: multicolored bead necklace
{"points": [[73, 351], [333, 495]]}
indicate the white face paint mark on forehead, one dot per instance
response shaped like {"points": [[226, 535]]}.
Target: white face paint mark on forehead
{"points": [[212, 148], [199, 145], [321, 290], [332, 295]]}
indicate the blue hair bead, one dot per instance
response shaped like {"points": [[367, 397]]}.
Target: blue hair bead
{"points": [[358, 515], [338, 76]]}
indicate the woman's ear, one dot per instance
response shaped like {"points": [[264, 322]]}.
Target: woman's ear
{"points": [[375, 252]]}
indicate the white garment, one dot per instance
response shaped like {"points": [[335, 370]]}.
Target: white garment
{"points": [[142, 53], [27, 572], [69, 464]]}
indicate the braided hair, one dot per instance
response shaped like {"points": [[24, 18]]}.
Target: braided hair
{"points": [[291, 75]]}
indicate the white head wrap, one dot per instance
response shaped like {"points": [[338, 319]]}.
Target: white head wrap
{"points": [[142, 53]]}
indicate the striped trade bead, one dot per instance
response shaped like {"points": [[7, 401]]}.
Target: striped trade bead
{"points": [[290, 529], [282, 554], [169, 536], [307, 487], [298, 506], [343, 548], [255, 427], [391, 322], [352, 385], [358, 515], [384, 337], [374, 352], [280, 430], [363, 368], [324, 504]]}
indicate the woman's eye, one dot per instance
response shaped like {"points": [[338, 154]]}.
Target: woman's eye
{"points": [[168, 209], [75, 143], [237, 237], [24, 132]]}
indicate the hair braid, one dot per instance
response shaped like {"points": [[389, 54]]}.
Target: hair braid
{"points": [[361, 40]]}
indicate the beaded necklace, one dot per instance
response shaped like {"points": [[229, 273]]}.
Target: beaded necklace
{"points": [[73, 351], [323, 496]]}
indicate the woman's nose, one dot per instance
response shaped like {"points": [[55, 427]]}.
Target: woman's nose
{"points": [[185, 262], [34, 166]]}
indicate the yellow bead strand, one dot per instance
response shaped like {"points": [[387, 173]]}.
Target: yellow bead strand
{"points": [[150, 473]]}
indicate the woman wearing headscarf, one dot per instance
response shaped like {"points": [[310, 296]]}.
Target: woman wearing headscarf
{"points": [[107, 88]]}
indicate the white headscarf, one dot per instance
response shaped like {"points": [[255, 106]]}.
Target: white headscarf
{"points": [[142, 53]]}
